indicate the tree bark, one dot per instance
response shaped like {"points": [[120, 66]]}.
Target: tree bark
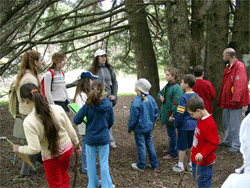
{"points": [[197, 31], [241, 36], [216, 41], [179, 35], [142, 44]]}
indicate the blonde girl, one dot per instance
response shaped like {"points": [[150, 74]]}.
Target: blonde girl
{"points": [[28, 73]]}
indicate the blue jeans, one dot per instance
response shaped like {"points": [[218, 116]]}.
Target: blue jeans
{"points": [[83, 155], [142, 140], [91, 165], [172, 141], [205, 174]]}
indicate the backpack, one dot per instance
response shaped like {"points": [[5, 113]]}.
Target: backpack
{"points": [[13, 103], [42, 82]]}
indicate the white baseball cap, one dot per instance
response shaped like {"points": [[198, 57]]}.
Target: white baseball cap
{"points": [[99, 52], [143, 85]]}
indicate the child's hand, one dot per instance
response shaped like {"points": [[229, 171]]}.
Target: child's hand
{"points": [[162, 98], [171, 119], [15, 148], [78, 150], [198, 157], [112, 97]]}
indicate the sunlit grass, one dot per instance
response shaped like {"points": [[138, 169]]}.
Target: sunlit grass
{"points": [[125, 94]]}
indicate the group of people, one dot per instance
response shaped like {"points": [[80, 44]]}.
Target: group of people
{"points": [[186, 107], [182, 110], [46, 127]]}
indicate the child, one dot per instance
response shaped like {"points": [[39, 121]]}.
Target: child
{"points": [[169, 97], [143, 113], [206, 140], [100, 118], [204, 88], [82, 92], [49, 130], [54, 86], [184, 122]]}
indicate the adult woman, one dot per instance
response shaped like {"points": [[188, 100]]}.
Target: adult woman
{"points": [[101, 68], [54, 82], [48, 129], [28, 73]]}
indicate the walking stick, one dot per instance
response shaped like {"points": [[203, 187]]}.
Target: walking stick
{"points": [[196, 172], [76, 163], [188, 155]]}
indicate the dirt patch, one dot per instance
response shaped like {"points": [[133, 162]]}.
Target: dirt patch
{"points": [[120, 158]]}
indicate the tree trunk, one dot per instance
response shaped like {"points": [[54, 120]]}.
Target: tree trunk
{"points": [[142, 44], [241, 36], [216, 41], [197, 31], [179, 35]]}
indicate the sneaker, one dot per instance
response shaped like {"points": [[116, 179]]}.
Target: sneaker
{"points": [[224, 144], [113, 146], [169, 157], [177, 168], [134, 166], [233, 150], [189, 168], [113, 185]]}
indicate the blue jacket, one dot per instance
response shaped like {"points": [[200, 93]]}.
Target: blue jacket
{"points": [[183, 120], [143, 114], [99, 120]]}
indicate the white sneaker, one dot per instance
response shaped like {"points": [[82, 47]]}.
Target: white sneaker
{"points": [[113, 146], [178, 169], [134, 166]]}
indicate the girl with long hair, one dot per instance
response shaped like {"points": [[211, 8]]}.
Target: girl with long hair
{"points": [[81, 95], [28, 73], [49, 130], [100, 118], [54, 82]]}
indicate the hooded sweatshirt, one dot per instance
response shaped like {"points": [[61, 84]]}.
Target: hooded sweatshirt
{"points": [[99, 120]]}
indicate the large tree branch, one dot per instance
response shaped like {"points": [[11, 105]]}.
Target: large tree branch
{"points": [[7, 15], [65, 30]]}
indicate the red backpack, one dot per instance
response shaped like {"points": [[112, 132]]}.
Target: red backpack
{"points": [[42, 82]]}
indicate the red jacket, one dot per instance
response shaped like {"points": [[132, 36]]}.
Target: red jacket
{"points": [[206, 140], [234, 87], [206, 91]]}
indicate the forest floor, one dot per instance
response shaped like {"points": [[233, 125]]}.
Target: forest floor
{"points": [[120, 158]]}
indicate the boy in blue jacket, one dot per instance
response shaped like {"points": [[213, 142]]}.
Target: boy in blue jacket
{"points": [[143, 113], [184, 122]]}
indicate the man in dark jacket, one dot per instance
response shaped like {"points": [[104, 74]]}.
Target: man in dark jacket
{"points": [[234, 94]]}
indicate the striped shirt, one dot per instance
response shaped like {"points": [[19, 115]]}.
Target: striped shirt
{"points": [[183, 120]]}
